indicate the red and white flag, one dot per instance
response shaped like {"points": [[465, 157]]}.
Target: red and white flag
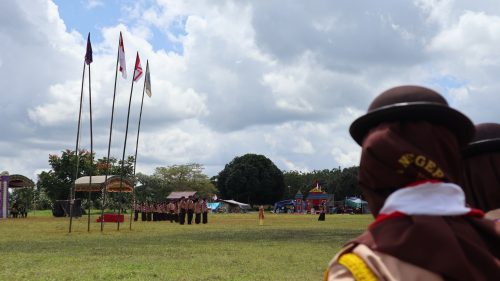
{"points": [[121, 57], [138, 68]]}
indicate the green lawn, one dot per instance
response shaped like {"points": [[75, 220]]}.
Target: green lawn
{"points": [[230, 247]]}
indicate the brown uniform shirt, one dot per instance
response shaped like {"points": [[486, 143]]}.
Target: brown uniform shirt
{"points": [[197, 207], [190, 205]]}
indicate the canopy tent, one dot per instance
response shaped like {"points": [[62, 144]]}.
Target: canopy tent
{"points": [[355, 202], [179, 194], [112, 184], [234, 206], [20, 181], [214, 206]]}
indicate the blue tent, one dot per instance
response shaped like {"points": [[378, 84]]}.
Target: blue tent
{"points": [[213, 206]]}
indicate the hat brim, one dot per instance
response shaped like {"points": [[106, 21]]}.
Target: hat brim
{"points": [[482, 146], [436, 113]]}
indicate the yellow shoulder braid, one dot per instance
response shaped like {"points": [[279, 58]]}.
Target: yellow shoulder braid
{"points": [[360, 271]]}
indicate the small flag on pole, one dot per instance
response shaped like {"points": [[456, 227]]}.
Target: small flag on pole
{"points": [[88, 54], [148, 80], [138, 68], [121, 55]]}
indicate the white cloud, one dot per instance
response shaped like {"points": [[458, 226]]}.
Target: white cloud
{"points": [[94, 3], [474, 39]]}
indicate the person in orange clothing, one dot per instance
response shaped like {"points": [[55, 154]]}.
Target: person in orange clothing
{"points": [[261, 215], [410, 173]]}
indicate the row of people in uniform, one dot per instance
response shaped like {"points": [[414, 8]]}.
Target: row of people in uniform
{"points": [[174, 211]]}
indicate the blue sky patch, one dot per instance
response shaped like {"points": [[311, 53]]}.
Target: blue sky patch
{"points": [[93, 15]]}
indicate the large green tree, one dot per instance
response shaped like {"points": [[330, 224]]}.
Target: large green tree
{"points": [[340, 182], [186, 177], [251, 178]]}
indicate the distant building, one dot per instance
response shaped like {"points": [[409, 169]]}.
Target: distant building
{"points": [[314, 201], [317, 198]]}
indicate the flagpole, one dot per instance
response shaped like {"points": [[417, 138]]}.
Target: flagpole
{"points": [[137, 145], [72, 199], [125, 146], [91, 153], [109, 142]]}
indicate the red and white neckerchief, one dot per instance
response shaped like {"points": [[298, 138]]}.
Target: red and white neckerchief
{"points": [[427, 198]]}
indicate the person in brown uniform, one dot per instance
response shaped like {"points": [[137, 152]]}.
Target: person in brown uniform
{"points": [[137, 209], [170, 211], [197, 211], [482, 170], [182, 206], [149, 211], [143, 212], [204, 211], [410, 172], [190, 209]]}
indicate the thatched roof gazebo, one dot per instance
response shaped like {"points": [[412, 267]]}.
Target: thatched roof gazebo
{"points": [[112, 184], [20, 181]]}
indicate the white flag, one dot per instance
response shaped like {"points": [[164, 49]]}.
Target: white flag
{"points": [[121, 57]]}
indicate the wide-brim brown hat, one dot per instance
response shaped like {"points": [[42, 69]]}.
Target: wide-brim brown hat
{"points": [[486, 140], [412, 103]]}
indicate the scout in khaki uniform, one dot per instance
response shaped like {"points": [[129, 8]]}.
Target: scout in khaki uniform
{"points": [[182, 210], [482, 170], [204, 211], [149, 211], [197, 211], [137, 209], [190, 209], [170, 211], [143, 212], [410, 174]]}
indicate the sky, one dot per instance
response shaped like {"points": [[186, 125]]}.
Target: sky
{"points": [[283, 79]]}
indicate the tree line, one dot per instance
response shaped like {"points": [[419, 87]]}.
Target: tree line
{"points": [[250, 178]]}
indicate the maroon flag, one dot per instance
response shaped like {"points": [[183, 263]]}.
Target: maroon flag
{"points": [[88, 54], [138, 68]]}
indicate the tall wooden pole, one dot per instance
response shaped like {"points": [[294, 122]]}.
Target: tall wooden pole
{"points": [[91, 153], [72, 195], [136, 146], [109, 143], [125, 146]]}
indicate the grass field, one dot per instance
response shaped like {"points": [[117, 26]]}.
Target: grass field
{"points": [[230, 247]]}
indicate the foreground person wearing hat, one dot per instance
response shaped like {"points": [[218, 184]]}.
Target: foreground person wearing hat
{"points": [[410, 172], [482, 170]]}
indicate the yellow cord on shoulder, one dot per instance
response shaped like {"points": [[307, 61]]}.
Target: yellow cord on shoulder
{"points": [[360, 271]]}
